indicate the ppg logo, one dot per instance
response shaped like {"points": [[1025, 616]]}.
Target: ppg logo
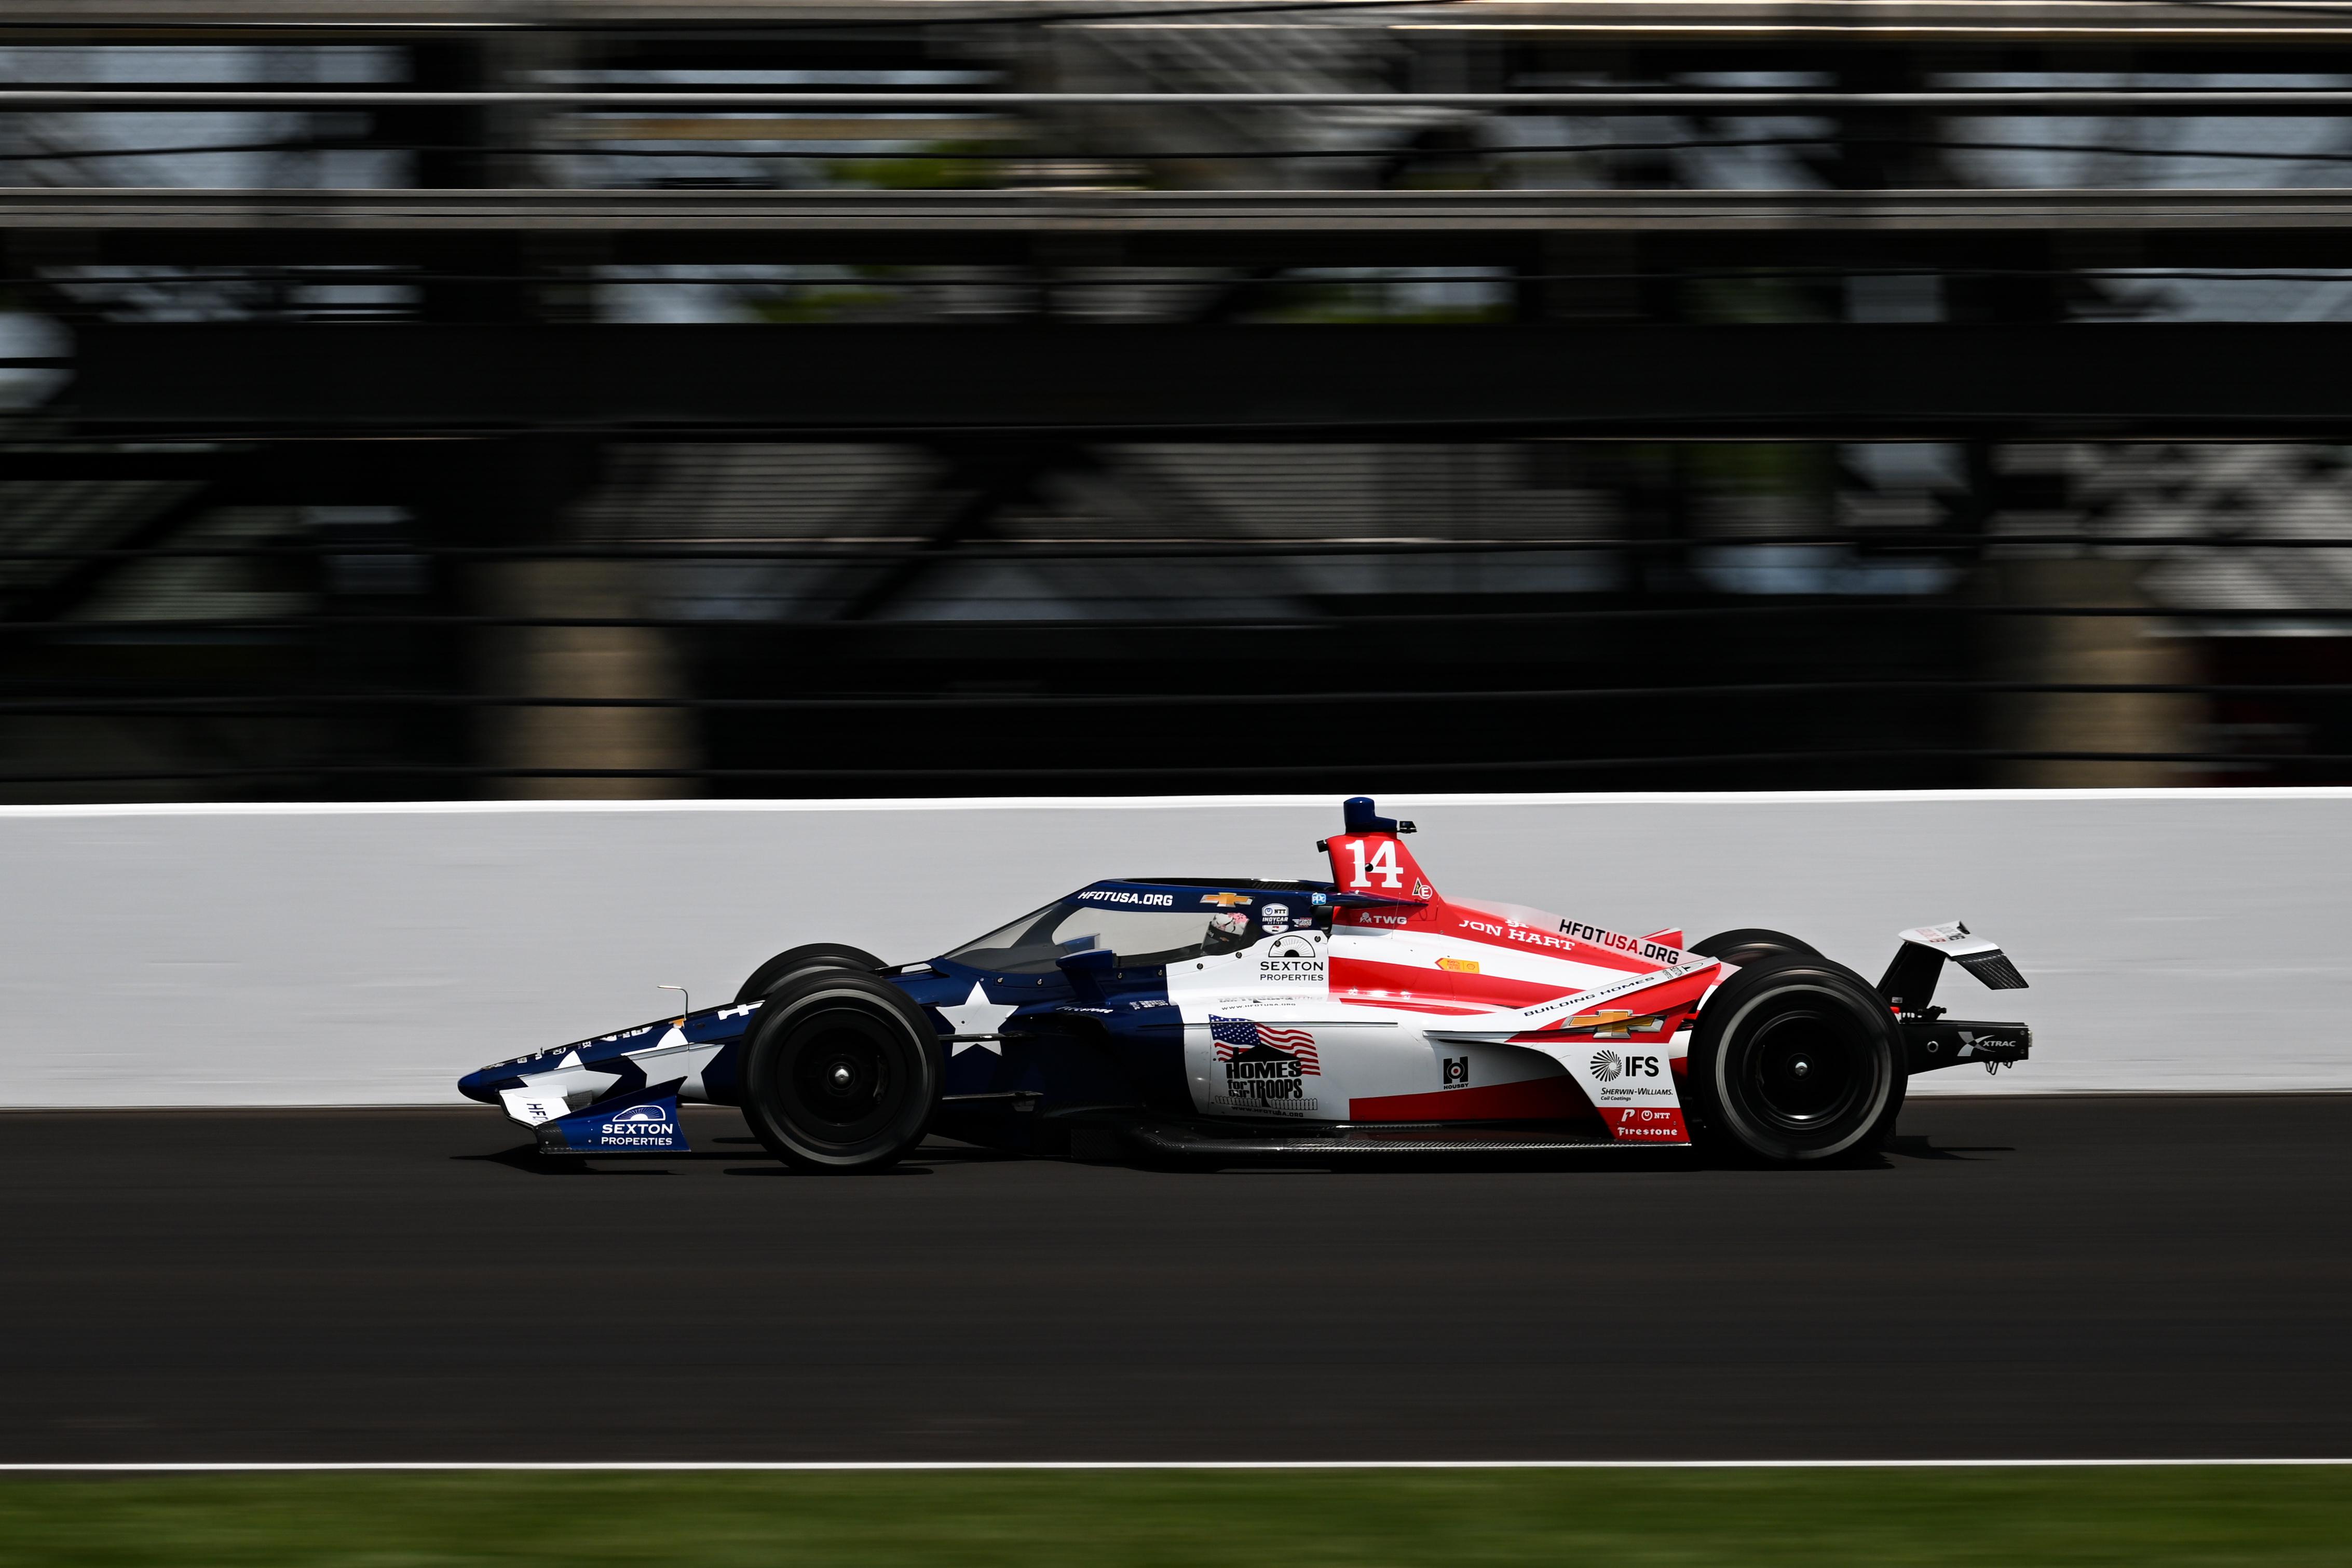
{"points": [[1457, 1070]]}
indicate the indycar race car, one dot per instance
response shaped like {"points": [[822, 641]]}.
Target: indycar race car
{"points": [[1230, 1020]]}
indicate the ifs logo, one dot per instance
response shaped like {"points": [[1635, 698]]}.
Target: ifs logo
{"points": [[1608, 1066]]}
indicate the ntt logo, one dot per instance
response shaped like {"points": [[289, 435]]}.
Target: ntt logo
{"points": [[1606, 1067]]}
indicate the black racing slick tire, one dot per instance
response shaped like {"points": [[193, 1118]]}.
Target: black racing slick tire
{"points": [[809, 956], [1750, 945], [1797, 1061], [841, 1072]]}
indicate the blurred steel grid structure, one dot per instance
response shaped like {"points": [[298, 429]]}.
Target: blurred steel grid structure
{"points": [[967, 737], [1580, 101], [104, 210], [1735, 21], [884, 692]]}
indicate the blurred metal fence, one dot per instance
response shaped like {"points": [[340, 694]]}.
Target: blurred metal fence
{"points": [[811, 619], [1660, 393]]}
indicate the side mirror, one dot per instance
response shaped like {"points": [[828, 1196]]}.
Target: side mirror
{"points": [[1087, 971]]}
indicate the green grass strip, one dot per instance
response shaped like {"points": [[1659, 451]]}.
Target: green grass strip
{"points": [[2147, 1518]]}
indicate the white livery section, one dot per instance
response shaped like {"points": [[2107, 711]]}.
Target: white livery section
{"points": [[1266, 1033]]}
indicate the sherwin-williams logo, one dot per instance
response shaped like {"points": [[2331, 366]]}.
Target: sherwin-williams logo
{"points": [[1606, 1067]]}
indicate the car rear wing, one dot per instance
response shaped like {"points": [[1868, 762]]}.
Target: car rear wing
{"points": [[1932, 1040], [1909, 984]]}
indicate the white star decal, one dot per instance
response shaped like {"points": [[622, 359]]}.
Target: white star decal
{"points": [[569, 1079], [675, 1056], [975, 1015]]}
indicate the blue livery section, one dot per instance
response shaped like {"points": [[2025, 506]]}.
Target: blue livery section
{"points": [[1066, 1006]]}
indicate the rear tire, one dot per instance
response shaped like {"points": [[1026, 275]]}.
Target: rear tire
{"points": [[1751, 945], [841, 1074], [806, 958], [1797, 1061]]}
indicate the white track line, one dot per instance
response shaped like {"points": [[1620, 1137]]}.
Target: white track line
{"points": [[2242, 794], [1081, 1466]]}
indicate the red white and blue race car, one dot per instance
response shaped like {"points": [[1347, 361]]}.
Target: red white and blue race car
{"points": [[1225, 1019]]}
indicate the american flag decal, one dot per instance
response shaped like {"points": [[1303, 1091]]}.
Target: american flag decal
{"points": [[1233, 1035]]}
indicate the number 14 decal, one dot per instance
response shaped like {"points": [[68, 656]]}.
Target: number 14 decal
{"points": [[1382, 863]]}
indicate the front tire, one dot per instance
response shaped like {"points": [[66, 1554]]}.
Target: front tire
{"points": [[804, 959], [1796, 1061], [841, 1074]]}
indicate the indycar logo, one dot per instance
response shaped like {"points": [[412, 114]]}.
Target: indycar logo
{"points": [[1276, 918]]}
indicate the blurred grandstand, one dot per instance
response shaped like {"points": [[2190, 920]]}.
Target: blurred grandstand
{"points": [[883, 397]]}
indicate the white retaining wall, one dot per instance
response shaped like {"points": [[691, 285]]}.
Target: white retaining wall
{"points": [[368, 954]]}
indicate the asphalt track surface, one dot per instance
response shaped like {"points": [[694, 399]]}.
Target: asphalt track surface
{"points": [[2021, 1278]]}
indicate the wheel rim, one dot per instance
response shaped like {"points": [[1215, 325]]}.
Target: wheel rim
{"points": [[1805, 1070], [844, 1077]]}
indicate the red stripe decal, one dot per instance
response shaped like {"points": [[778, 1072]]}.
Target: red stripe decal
{"points": [[1554, 1099]]}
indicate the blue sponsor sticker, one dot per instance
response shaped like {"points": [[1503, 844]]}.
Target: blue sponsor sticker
{"points": [[644, 1126]]}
